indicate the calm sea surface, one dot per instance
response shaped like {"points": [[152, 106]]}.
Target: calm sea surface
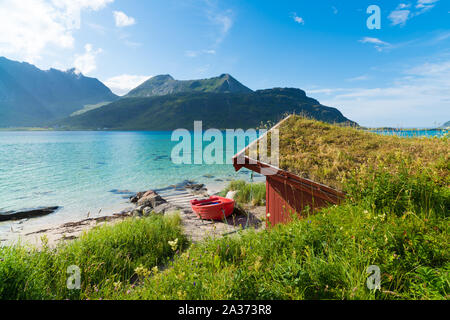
{"points": [[80, 171], [411, 133]]}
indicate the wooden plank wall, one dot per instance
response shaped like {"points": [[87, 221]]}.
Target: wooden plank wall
{"points": [[284, 199]]}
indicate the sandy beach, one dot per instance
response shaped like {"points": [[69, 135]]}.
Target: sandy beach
{"points": [[197, 229]]}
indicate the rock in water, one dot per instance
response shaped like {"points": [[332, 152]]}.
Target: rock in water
{"points": [[39, 212]]}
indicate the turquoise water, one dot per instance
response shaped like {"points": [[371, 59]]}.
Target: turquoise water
{"points": [[411, 133], [78, 171]]}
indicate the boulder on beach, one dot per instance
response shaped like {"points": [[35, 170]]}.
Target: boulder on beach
{"points": [[27, 214], [164, 208], [150, 199], [136, 197]]}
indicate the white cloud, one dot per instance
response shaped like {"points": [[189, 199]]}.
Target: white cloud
{"points": [[419, 97], [82, 4], [404, 6], [191, 54], [441, 37], [194, 54], [122, 84], [372, 40], [126, 38], [133, 44], [426, 3], [298, 19], [399, 17], [86, 63], [97, 28], [359, 78], [424, 6], [31, 26], [404, 12], [224, 20], [379, 44], [440, 70], [220, 21], [122, 20], [429, 39]]}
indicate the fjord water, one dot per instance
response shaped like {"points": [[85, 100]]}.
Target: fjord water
{"points": [[79, 171], [411, 133]]}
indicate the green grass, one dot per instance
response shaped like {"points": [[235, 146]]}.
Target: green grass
{"points": [[90, 107], [396, 216], [107, 254], [322, 256], [326, 255], [331, 154], [247, 193]]}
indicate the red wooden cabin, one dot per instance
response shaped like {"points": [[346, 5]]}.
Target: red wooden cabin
{"points": [[287, 193]]}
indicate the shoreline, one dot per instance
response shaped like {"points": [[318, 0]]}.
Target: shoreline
{"points": [[49, 129], [62, 230]]}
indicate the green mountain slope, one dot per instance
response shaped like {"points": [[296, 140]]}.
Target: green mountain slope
{"points": [[165, 84], [216, 110], [17, 105], [32, 97]]}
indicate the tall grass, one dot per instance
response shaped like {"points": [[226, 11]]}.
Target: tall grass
{"points": [[410, 189], [247, 193], [324, 257], [106, 255]]}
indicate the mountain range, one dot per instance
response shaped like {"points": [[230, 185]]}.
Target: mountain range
{"points": [[215, 109], [32, 97], [166, 84], [69, 100]]}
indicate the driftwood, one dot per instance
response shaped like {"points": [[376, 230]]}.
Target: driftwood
{"points": [[39, 212]]}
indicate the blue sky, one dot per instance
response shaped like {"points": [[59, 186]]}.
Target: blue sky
{"points": [[398, 75]]}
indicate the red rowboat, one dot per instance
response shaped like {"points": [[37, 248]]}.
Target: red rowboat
{"points": [[214, 208]]}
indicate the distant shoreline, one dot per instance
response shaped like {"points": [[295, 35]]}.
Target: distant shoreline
{"points": [[405, 129], [39, 129]]}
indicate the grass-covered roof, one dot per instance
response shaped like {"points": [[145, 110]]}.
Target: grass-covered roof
{"points": [[330, 154]]}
